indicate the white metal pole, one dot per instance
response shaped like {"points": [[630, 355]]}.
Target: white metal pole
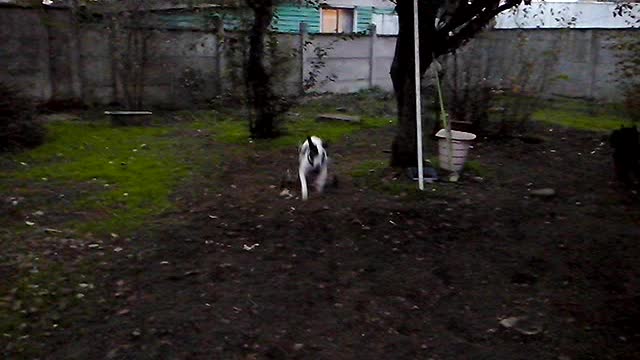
{"points": [[416, 40]]}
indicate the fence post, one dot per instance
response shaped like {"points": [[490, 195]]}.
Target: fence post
{"points": [[116, 82], [594, 54], [219, 24], [44, 56], [303, 39], [373, 35], [75, 52]]}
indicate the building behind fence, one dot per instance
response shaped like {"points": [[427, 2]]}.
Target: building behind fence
{"points": [[50, 59]]}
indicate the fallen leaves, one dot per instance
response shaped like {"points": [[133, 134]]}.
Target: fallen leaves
{"points": [[522, 324], [250, 247]]}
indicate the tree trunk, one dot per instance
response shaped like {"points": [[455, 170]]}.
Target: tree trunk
{"points": [[258, 78], [404, 148]]}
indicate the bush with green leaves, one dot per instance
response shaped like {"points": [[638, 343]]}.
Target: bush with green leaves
{"points": [[19, 127]]}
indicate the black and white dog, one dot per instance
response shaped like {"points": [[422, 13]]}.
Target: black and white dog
{"points": [[313, 162]]}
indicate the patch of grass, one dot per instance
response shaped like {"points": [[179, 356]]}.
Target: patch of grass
{"points": [[571, 113], [588, 107], [368, 167], [236, 131], [115, 179], [474, 167], [137, 168], [580, 120], [400, 187], [375, 107], [376, 175], [230, 131], [369, 103], [297, 130], [477, 168]]}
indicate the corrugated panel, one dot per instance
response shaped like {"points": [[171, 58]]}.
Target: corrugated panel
{"points": [[232, 21], [194, 21], [363, 14], [289, 18], [180, 21]]}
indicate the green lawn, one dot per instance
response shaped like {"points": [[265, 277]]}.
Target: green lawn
{"points": [[581, 115], [581, 121], [131, 171], [128, 174], [296, 129], [117, 177]]}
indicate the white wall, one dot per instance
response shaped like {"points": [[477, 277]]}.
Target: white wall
{"points": [[546, 15], [386, 24], [562, 14]]}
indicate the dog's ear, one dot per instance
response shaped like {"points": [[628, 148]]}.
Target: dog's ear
{"points": [[313, 148]]}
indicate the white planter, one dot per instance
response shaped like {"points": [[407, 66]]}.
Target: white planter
{"points": [[460, 142]]}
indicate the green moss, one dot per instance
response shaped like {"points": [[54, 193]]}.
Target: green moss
{"points": [[580, 120]]}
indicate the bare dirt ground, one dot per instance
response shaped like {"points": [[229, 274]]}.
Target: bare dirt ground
{"points": [[363, 274]]}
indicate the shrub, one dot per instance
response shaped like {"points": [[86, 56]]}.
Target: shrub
{"points": [[471, 106], [512, 111], [18, 125]]}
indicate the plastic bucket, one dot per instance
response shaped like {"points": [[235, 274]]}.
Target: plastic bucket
{"points": [[460, 142]]}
